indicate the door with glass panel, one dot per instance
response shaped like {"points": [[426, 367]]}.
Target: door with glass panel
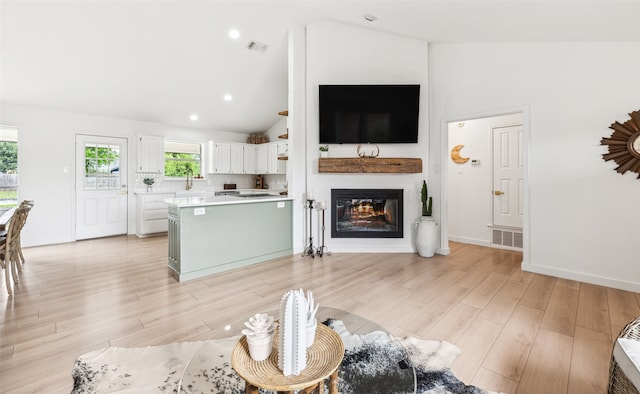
{"points": [[101, 186]]}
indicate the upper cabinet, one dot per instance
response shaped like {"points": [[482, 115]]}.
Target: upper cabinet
{"points": [[150, 154], [239, 158], [236, 159], [261, 159], [249, 158], [218, 157]]}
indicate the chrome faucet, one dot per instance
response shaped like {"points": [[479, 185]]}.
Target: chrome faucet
{"points": [[189, 179]]}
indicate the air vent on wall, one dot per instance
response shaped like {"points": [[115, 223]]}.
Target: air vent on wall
{"points": [[509, 238], [257, 46]]}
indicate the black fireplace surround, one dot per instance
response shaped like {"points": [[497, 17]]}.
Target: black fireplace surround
{"points": [[366, 213]]}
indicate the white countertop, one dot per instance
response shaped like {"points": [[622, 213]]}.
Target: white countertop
{"points": [[184, 202], [205, 193]]}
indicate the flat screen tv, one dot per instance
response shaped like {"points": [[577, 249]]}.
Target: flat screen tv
{"points": [[377, 114]]}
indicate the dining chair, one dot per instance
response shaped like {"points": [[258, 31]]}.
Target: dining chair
{"points": [[9, 254], [30, 204]]}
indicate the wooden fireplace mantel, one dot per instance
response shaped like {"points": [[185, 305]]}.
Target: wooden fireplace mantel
{"points": [[387, 165]]}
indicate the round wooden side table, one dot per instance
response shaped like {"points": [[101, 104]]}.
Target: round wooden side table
{"points": [[323, 359]]}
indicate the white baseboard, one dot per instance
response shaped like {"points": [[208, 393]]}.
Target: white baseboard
{"points": [[472, 241], [572, 275]]}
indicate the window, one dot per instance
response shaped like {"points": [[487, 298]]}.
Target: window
{"points": [[180, 157], [8, 167], [101, 166]]}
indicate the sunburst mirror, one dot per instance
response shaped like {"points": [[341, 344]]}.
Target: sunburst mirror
{"points": [[624, 144]]}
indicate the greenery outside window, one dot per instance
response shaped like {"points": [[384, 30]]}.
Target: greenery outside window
{"points": [[101, 167], [8, 167], [180, 157]]}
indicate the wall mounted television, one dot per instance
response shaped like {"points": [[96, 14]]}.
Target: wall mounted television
{"points": [[377, 114]]}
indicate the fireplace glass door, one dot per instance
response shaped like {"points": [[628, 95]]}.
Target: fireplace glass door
{"points": [[366, 213]]}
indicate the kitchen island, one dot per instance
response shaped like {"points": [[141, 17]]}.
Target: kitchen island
{"points": [[208, 235]]}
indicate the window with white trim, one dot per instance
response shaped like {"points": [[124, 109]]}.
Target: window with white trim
{"points": [[180, 157]]}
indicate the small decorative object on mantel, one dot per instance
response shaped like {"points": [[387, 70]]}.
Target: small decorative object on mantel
{"points": [[455, 155], [324, 151], [624, 144], [149, 182], [426, 227], [372, 155], [259, 333], [292, 336]]}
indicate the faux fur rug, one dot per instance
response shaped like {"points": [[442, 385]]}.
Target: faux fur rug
{"points": [[368, 358]]}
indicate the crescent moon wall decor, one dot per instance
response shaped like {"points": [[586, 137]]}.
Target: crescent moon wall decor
{"points": [[624, 144], [455, 155]]}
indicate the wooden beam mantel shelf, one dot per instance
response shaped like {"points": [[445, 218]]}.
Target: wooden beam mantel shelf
{"points": [[370, 165]]}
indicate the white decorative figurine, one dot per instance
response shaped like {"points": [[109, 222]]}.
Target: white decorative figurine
{"points": [[292, 345], [259, 334], [312, 323]]}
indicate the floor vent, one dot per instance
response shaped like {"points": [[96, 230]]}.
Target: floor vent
{"points": [[509, 238]]}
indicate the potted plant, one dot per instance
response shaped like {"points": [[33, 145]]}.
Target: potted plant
{"points": [[259, 333], [324, 150], [149, 182], [426, 227], [427, 202]]}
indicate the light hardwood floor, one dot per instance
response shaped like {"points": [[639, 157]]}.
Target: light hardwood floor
{"points": [[519, 332]]}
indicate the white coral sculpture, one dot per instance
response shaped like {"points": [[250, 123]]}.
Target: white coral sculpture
{"points": [[259, 325], [312, 307]]}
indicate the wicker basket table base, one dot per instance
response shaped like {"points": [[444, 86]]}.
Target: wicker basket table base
{"points": [[323, 359]]}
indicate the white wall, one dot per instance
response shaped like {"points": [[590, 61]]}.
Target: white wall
{"points": [[344, 54], [583, 217], [46, 146], [469, 197]]}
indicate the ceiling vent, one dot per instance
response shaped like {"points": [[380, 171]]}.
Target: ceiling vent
{"points": [[256, 46]]}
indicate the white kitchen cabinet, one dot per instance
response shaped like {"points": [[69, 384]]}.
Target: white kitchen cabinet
{"points": [[236, 159], [218, 157], [151, 213], [272, 159], [239, 158], [150, 154], [261, 159], [249, 158]]}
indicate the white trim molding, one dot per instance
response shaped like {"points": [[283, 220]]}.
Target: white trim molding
{"points": [[577, 276]]}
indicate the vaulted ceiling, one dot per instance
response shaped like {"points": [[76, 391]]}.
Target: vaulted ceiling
{"points": [[161, 61]]}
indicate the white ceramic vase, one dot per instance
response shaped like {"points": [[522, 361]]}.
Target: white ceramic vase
{"points": [[311, 332], [426, 236], [324, 154], [260, 347]]}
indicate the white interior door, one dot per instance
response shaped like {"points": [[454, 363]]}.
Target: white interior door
{"points": [[508, 176], [101, 186]]}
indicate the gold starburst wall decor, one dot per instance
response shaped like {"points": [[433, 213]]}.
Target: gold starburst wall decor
{"points": [[624, 144]]}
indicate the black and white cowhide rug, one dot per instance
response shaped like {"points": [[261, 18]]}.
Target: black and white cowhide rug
{"points": [[158, 369]]}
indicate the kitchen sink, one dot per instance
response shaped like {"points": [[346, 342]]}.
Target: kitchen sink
{"points": [[193, 193]]}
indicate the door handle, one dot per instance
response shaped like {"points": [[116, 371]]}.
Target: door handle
{"points": [[498, 192]]}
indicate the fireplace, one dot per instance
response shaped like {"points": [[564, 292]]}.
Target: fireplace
{"points": [[366, 213]]}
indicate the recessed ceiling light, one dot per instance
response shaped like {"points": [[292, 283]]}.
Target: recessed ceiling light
{"points": [[233, 33], [370, 18], [227, 97], [193, 117]]}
